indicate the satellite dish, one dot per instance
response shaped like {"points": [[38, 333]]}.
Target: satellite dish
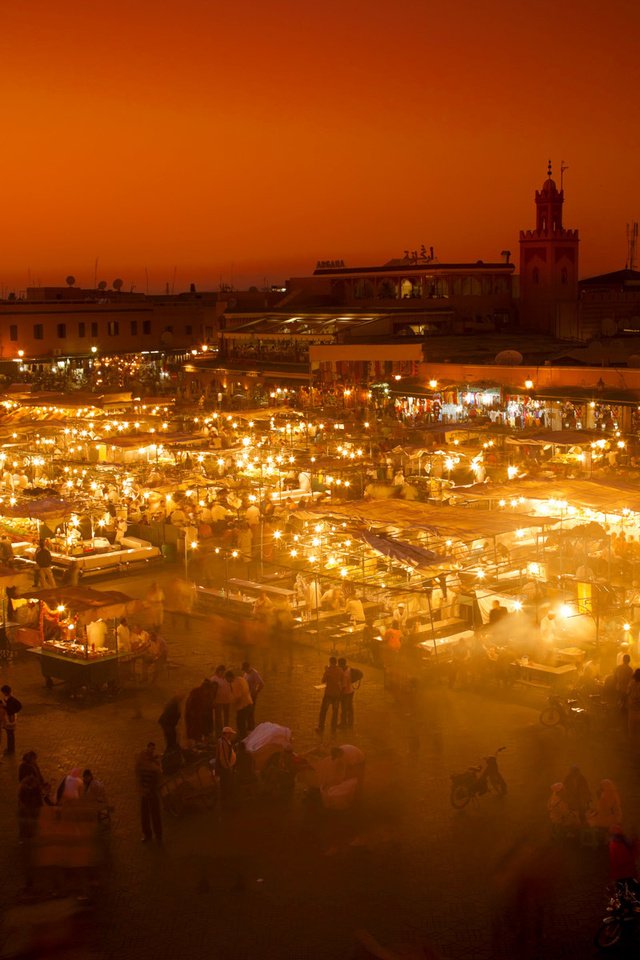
{"points": [[634, 360], [102, 285], [117, 284], [509, 357], [70, 281]]}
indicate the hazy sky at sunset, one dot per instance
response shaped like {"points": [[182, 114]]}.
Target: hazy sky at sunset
{"points": [[242, 140]]}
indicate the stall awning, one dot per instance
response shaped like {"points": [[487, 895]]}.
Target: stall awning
{"points": [[610, 497], [559, 438], [86, 603], [460, 522]]}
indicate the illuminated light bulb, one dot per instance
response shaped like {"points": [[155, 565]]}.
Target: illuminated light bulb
{"points": [[626, 626], [293, 553], [234, 554], [480, 574], [433, 384], [343, 572], [517, 605], [564, 610], [277, 534], [194, 544], [502, 503]]}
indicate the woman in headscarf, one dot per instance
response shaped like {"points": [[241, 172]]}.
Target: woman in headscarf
{"points": [[560, 814], [577, 793], [607, 810]]}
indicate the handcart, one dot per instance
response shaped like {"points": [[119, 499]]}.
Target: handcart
{"points": [[193, 786]]}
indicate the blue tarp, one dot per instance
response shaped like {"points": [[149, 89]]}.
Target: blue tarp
{"points": [[403, 552]]}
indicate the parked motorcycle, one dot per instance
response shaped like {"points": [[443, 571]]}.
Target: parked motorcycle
{"points": [[566, 713], [476, 781], [623, 912]]}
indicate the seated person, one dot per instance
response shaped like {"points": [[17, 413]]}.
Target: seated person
{"points": [[332, 599], [263, 606], [355, 610]]}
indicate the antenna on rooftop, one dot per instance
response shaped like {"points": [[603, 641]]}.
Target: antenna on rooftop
{"points": [[632, 245]]}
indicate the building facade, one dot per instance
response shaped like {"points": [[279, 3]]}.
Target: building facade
{"points": [[70, 322]]}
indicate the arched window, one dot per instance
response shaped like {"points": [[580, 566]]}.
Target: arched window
{"points": [[564, 276], [535, 275]]}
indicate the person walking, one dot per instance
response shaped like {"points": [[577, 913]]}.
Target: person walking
{"points": [[169, 720], [44, 566], [148, 775], [154, 601], [29, 806], [332, 679], [622, 677], [225, 766], [241, 700], [12, 708], [198, 711], [256, 684], [223, 698], [346, 697]]}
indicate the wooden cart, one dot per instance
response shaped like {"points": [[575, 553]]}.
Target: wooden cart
{"points": [[193, 786]]}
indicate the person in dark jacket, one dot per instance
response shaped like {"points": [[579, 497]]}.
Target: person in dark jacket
{"points": [[149, 775], [168, 720]]}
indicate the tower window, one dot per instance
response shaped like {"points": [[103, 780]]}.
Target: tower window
{"points": [[535, 276], [62, 331], [564, 276]]}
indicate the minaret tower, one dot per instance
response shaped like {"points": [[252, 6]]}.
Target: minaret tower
{"points": [[549, 266]]}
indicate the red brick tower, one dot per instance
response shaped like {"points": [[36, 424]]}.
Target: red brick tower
{"points": [[549, 267]]}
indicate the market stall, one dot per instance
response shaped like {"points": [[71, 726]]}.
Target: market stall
{"points": [[78, 639]]}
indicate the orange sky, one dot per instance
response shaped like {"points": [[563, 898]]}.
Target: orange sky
{"points": [[242, 140]]}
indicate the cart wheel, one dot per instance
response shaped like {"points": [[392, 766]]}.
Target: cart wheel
{"points": [[460, 796]]}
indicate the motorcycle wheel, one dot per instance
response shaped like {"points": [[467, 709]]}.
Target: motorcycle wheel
{"points": [[460, 796], [609, 933], [550, 717]]}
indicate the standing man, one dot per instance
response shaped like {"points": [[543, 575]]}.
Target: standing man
{"points": [[241, 700], [256, 684], [169, 720], [332, 678], [225, 766], [12, 707], [148, 774], [44, 570], [346, 698]]}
